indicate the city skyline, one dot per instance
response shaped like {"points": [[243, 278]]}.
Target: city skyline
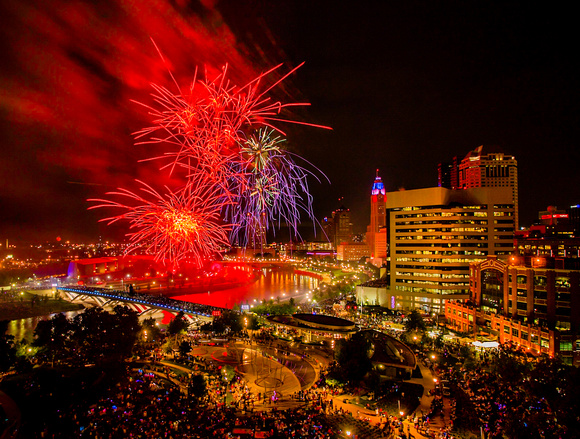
{"points": [[404, 87]]}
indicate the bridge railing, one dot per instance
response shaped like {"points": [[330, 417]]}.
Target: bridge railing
{"points": [[147, 299]]}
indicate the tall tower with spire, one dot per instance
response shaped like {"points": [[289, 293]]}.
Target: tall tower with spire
{"points": [[378, 218]]}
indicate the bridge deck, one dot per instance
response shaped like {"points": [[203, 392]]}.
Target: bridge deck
{"points": [[148, 300]]}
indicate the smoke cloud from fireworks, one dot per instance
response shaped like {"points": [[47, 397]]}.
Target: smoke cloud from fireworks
{"points": [[70, 70]]}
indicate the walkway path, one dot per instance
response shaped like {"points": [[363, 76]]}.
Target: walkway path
{"points": [[436, 423], [264, 370]]}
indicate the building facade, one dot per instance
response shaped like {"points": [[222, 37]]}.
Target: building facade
{"points": [[435, 233], [491, 169], [531, 302], [381, 247], [342, 226], [448, 175], [556, 234], [352, 251], [482, 167]]}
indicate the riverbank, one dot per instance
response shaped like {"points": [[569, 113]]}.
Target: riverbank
{"points": [[319, 276], [27, 304]]}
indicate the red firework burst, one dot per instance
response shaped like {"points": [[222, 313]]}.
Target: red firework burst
{"points": [[173, 225], [207, 130], [207, 123]]}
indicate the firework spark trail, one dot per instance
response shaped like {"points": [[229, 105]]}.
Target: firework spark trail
{"points": [[226, 142], [212, 117], [268, 188], [174, 225]]}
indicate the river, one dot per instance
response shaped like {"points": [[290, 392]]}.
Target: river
{"points": [[24, 328], [269, 284]]}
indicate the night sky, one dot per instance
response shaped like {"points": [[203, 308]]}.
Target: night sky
{"points": [[404, 85]]}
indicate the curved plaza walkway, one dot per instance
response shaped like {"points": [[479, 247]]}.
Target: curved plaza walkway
{"points": [[284, 369]]}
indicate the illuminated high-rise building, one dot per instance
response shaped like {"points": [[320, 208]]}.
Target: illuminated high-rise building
{"points": [[448, 175], [378, 221], [342, 226], [352, 251], [555, 234], [479, 168], [435, 233], [491, 169], [327, 224]]}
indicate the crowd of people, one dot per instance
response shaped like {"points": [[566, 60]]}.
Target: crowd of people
{"points": [[146, 405], [157, 401], [503, 393]]}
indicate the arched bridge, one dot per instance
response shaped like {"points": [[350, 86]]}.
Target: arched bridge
{"points": [[142, 303]]}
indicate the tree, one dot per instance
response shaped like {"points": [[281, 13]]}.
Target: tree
{"points": [[92, 336], [228, 372], [178, 325], [24, 353], [150, 325], [558, 386], [7, 348], [169, 347], [353, 358], [469, 362], [228, 321], [284, 308], [88, 332], [415, 322], [544, 401], [55, 338], [184, 348], [253, 322], [197, 386], [218, 326], [508, 367], [438, 343], [124, 331]]}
